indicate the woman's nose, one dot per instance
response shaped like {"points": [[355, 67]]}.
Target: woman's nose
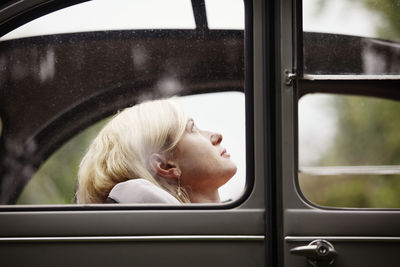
{"points": [[216, 138]]}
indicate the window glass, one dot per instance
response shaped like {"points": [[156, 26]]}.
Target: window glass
{"points": [[229, 120], [340, 37], [55, 181], [58, 81], [349, 151], [221, 17], [366, 18], [120, 15]]}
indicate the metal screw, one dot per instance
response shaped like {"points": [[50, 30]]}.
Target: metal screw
{"points": [[323, 250]]}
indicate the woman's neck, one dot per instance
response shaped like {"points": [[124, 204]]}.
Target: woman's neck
{"points": [[211, 196]]}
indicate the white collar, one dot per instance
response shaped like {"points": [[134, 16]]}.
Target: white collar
{"points": [[140, 191]]}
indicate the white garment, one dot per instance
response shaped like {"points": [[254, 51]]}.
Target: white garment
{"points": [[140, 191]]}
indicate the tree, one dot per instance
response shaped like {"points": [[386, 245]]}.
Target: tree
{"points": [[389, 11], [367, 134], [56, 179]]}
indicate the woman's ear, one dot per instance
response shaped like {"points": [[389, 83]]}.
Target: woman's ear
{"points": [[161, 166]]}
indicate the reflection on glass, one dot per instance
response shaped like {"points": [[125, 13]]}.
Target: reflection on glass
{"points": [[349, 151], [332, 54]]}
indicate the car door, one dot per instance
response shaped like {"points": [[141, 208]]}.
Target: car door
{"points": [[231, 234], [317, 231]]}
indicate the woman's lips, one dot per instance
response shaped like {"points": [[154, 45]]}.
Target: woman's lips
{"points": [[225, 154]]}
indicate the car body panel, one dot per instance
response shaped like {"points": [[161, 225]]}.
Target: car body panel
{"points": [[260, 228]]}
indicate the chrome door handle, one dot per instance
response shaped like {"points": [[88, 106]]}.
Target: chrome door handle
{"points": [[319, 253]]}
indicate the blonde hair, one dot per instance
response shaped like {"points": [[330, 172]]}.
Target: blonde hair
{"points": [[122, 149]]}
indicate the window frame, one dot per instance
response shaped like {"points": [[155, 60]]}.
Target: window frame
{"points": [[382, 86], [39, 8], [207, 236]]}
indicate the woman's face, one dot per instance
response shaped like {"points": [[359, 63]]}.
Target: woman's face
{"points": [[203, 162]]}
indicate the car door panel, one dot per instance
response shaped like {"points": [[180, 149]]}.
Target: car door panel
{"points": [[131, 222], [361, 237], [230, 234], [149, 252]]}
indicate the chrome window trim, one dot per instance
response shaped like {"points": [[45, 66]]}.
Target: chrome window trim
{"points": [[351, 170], [343, 238], [311, 77], [155, 238]]}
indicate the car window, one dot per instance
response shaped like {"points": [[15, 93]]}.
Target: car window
{"points": [[349, 151], [79, 74], [366, 18], [217, 19], [351, 37], [348, 103], [121, 15]]}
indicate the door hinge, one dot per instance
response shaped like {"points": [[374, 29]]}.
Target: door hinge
{"points": [[290, 77]]}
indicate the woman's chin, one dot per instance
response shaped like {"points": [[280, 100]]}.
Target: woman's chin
{"points": [[230, 172], [233, 169]]}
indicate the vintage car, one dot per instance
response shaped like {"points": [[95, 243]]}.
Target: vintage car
{"points": [[246, 68]]}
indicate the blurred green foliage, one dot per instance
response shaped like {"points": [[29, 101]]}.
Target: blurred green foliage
{"points": [[368, 133], [356, 191], [389, 11], [55, 181]]}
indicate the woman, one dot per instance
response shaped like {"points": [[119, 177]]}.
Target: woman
{"points": [[154, 153]]}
